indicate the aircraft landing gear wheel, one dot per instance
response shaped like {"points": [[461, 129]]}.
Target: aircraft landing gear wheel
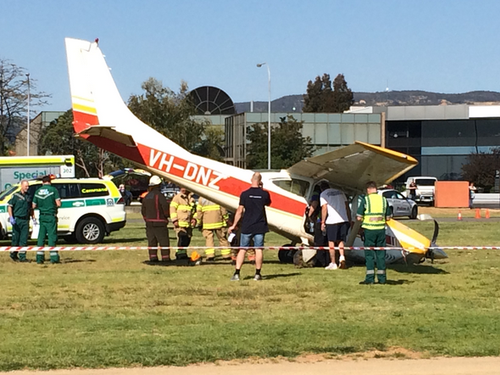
{"points": [[286, 256]]}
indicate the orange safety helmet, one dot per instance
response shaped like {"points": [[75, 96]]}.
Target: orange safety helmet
{"points": [[195, 256]]}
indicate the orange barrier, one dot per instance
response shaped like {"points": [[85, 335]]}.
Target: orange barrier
{"points": [[451, 194], [487, 216]]}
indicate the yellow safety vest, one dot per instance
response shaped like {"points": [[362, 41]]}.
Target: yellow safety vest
{"points": [[375, 209]]}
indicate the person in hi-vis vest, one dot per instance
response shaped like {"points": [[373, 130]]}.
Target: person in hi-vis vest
{"points": [[213, 219], [374, 211]]}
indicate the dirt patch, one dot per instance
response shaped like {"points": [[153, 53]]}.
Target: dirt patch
{"points": [[394, 353]]}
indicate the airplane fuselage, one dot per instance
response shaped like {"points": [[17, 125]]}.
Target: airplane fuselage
{"points": [[102, 118]]}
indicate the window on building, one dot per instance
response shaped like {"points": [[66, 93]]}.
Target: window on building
{"points": [[488, 132], [448, 133]]}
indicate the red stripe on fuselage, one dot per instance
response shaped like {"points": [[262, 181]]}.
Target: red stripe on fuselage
{"points": [[184, 169]]}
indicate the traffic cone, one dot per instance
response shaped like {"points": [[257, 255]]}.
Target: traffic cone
{"points": [[478, 213], [459, 217], [487, 216]]}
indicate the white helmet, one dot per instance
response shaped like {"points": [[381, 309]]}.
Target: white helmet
{"points": [[154, 180]]}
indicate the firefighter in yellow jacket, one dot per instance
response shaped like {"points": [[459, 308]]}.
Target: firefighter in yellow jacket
{"points": [[214, 220], [184, 218]]}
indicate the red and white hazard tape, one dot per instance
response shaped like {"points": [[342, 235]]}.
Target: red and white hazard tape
{"points": [[101, 248]]}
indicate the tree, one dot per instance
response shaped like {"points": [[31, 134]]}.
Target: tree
{"points": [[288, 146], [321, 98], [342, 97], [90, 160], [169, 113], [481, 168], [14, 82], [317, 93], [211, 142]]}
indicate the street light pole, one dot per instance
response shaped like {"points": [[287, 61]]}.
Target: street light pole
{"points": [[28, 117], [268, 115]]}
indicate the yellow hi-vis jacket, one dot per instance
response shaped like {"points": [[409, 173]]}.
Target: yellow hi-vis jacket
{"points": [[211, 215], [374, 211], [183, 209]]}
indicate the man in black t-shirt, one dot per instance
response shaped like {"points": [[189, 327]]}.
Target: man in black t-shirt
{"points": [[254, 225]]}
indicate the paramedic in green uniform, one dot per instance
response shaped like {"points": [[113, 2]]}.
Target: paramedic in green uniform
{"points": [[374, 211], [20, 211], [47, 200]]}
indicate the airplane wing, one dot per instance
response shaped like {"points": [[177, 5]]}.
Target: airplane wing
{"points": [[351, 167], [109, 132]]}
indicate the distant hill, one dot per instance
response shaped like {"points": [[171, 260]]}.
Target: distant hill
{"points": [[294, 103]]}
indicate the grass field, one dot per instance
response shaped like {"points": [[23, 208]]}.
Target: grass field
{"points": [[101, 309]]}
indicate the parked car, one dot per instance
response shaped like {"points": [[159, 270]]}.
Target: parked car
{"points": [[399, 204], [169, 190], [135, 180], [425, 189], [90, 209]]}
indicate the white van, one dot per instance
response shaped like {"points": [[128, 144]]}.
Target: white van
{"points": [[90, 209], [425, 189]]}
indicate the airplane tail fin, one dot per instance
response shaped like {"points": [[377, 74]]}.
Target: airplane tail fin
{"points": [[94, 95]]}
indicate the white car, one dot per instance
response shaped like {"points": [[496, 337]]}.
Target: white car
{"points": [[90, 209], [425, 189], [399, 204]]}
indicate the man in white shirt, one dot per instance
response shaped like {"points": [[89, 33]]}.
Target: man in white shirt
{"points": [[336, 221]]}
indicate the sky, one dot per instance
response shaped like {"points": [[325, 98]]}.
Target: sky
{"points": [[447, 46]]}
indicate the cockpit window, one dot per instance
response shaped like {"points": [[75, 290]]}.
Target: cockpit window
{"points": [[295, 186]]}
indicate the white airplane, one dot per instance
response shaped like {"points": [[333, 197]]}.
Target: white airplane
{"points": [[101, 117]]}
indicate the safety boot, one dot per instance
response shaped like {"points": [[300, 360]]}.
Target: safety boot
{"points": [[181, 258], [40, 258], [22, 257], [13, 256], [54, 257]]}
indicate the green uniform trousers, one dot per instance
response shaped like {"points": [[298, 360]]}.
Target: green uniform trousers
{"points": [[48, 227], [20, 231], [375, 238]]}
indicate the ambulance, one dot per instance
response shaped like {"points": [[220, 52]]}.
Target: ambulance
{"points": [[90, 209], [13, 169]]}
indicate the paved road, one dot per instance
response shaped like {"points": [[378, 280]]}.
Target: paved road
{"points": [[482, 220], [434, 366]]}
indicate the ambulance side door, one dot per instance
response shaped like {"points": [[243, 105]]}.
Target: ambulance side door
{"points": [[69, 200]]}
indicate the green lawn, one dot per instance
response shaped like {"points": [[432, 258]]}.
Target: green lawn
{"points": [[101, 309]]}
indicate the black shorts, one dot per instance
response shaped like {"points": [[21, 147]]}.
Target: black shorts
{"points": [[337, 232]]}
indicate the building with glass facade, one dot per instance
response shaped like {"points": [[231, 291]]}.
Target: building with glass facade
{"points": [[441, 137], [37, 126], [328, 131]]}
